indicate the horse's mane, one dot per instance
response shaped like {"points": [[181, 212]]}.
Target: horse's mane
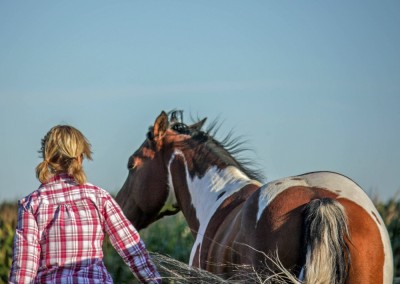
{"points": [[230, 149]]}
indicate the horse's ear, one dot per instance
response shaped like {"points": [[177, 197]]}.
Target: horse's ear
{"points": [[160, 125], [198, 125]]}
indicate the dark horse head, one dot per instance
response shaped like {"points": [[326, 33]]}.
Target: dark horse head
{"points": [[148, 193]]}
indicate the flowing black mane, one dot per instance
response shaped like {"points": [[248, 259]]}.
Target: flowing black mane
{"points": [[229, 149]]}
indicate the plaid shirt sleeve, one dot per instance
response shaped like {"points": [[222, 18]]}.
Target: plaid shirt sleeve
{"points": [[26, 250], [127, 242]]}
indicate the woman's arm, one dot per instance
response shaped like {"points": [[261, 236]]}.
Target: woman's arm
{"points": [[127, 242], [26, 249]]}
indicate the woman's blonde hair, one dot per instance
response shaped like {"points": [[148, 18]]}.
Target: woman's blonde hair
{"points": [[63, 149]]}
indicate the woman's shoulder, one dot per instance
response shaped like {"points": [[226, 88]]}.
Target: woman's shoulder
{"points": [[30, 201], [99, 191]]}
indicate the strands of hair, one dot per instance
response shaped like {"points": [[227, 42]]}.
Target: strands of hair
{"points": [[234, 146], [62, 150], [174, 271], [328, 256]]}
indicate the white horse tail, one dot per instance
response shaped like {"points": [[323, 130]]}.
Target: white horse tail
{"points": [[327, 254]]}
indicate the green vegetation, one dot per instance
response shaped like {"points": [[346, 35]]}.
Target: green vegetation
{"points": [[390, 212], [171, 237], [8, 221]]}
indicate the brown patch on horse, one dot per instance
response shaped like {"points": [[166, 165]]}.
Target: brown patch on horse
{"points": [[182, 193], [218, 227], [280, 227], [148, 153], [367, 253], [135, 162]]}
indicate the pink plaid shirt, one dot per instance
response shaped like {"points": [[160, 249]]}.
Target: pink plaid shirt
{"points": [[60, 232]]}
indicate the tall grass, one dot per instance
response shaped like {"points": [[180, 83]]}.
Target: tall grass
{"points": [[390, 212], [8, 221]]}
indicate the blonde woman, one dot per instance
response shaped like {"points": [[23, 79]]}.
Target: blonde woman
{"points": [[61, 225]]}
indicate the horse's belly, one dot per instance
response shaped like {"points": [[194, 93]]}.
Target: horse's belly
{"points": [[222, 256]]}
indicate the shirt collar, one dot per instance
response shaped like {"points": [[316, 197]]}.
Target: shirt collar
{"points": [[60, 177]]}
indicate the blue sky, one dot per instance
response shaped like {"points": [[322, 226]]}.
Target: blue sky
{"points": [[311, 85]]}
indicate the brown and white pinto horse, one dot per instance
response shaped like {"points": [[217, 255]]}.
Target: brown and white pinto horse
{"points": [[321, 225]]}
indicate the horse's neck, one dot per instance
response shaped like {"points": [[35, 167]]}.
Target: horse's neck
{"points": [[209, 191], [206, 192]]}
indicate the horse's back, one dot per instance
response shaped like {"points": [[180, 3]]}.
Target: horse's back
{"points": [[274, 214]]}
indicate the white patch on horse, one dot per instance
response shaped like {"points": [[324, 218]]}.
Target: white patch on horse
{"points": [[205, 191], [171, 201], [338, 184]]}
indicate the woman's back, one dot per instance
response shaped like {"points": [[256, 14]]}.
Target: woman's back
{"points": [[70, 226], [61, 225]]}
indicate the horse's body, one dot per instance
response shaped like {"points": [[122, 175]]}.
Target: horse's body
{"points": [[321, 226]]}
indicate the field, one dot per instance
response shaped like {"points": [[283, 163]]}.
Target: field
{"points": [[170, 237]]}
